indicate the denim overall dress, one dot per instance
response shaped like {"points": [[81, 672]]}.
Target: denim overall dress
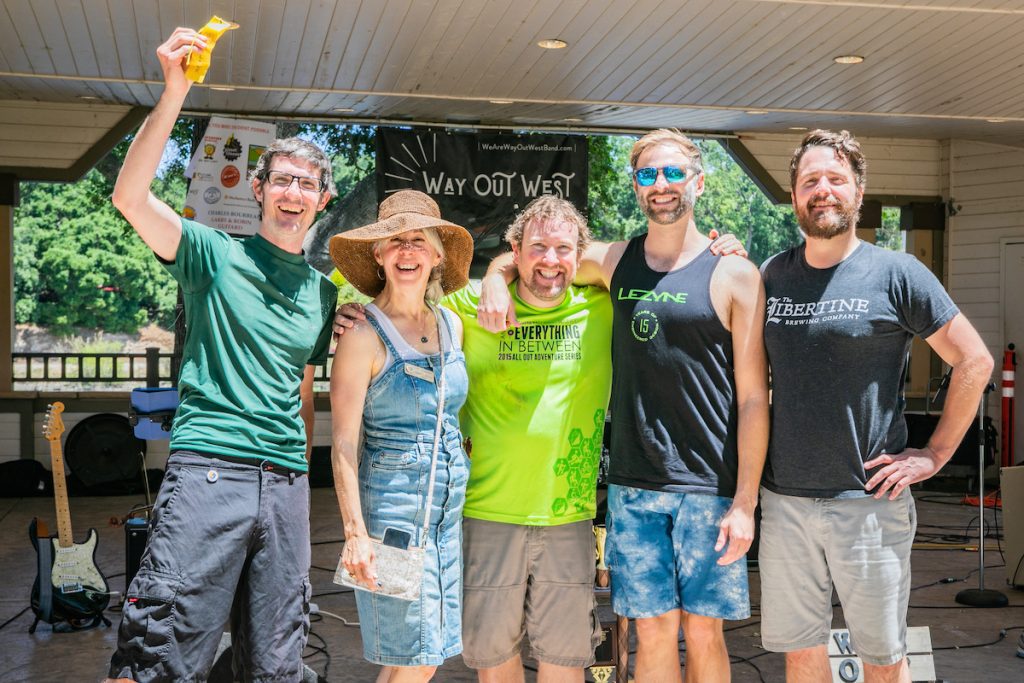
{"points": [[399, 419]]}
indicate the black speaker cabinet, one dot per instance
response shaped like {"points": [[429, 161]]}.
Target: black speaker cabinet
{"points": [[136, 531], [921, 425]]}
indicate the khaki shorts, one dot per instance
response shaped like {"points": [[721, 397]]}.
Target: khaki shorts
{"points": [[860, 546], [529, 581]]}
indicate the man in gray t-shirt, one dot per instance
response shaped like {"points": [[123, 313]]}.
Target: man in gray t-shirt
{"points": [[836, 509]]}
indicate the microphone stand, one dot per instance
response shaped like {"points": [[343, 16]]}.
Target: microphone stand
{"points": [[981, 596]]}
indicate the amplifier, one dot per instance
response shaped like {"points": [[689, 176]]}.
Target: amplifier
{"points": [[136, 532], [1012, 486]]}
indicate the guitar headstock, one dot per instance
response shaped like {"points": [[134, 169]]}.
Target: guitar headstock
{"points": [[53, 425]]}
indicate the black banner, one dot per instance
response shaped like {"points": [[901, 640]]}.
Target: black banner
{"points": [[481, 181]]}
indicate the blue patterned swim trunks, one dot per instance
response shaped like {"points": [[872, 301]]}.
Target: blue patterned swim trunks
{"points": [[661, 553]]}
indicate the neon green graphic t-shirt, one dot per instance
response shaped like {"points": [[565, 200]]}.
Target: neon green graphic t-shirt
{"points": [[536, 407]]}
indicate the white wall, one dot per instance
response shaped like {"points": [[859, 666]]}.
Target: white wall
{"points": [[987, 181], [896, 166]]}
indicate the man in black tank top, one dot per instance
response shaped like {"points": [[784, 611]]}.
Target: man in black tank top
{"points": [[689, 412]]}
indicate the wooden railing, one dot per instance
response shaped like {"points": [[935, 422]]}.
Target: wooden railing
{"points": [[151, 368]]}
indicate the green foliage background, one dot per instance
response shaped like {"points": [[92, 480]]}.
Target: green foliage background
{"points": [[79, 264]]}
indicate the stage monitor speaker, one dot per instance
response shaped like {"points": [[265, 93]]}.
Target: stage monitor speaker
{"points": [[1012, 487]]}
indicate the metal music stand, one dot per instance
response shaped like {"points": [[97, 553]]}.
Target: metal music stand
{"points": [[981, 596]]}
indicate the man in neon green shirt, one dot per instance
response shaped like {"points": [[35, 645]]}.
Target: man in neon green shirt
{"points": [[535, 422]]}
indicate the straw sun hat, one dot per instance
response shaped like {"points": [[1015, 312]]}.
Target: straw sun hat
{"points": [[352, 251]]}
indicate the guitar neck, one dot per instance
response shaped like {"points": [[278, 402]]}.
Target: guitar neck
{"points": [[60, 496]]}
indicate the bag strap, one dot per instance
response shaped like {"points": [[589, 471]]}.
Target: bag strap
{"points": [[437, 431]]}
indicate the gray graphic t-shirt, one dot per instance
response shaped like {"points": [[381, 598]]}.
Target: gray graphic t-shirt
{"points": [[837, 341]]}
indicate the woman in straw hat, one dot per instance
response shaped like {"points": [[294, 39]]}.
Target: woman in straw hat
{"points": [[387, 382]]}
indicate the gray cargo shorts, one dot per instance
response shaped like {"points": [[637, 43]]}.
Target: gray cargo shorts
{"points": [[860, 546], [228, 546]]}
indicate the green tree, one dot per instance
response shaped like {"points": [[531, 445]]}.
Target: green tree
{"points": [[732, 203], [890, 235], [77, 262], [611, 207]]}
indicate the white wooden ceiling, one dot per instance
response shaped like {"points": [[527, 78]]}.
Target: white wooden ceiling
{"points": [[933, 69]]}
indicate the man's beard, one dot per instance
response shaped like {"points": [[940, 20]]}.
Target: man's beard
{"points": [[828, 225], [669, 216], [545, 292]]}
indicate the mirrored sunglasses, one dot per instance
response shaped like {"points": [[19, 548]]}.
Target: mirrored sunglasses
{"points": [[647, 176]]}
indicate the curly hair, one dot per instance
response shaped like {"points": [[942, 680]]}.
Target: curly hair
{"points": [[548, 207]]}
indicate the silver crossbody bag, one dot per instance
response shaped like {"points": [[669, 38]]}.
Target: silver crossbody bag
{"points": [[400, 569]]}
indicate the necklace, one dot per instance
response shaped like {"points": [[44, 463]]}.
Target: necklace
{"points": [[424, 336]]}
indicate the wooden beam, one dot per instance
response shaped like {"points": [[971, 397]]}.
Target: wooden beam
{"points": [[761, 177], [129, 122]]}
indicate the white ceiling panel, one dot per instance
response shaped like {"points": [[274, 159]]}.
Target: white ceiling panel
{"points": [[933, 69]]}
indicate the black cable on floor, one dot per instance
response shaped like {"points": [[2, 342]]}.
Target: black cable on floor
{"points": [[14, 617], [319, 649], [1001, 638], [736, 659]]}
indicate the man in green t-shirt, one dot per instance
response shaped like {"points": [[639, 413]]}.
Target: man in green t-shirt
{"points": [[534, 425], [229, 536]]}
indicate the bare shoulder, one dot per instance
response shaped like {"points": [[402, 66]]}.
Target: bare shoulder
{"points": [[599, 262], [360, 338], [737, 270]]}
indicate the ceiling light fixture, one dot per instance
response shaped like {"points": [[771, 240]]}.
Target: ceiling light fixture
{"points": [[572, 120], [848, 59], [222, 88], [91, 98], [755, 112], [798, 127], [996, 120], [552, 43], [502, 101], [344, 110]]}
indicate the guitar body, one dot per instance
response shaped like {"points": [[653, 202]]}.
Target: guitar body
{"points": [[78, 589], [69, 586]]}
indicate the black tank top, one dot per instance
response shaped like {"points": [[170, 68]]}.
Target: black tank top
{"points": [[673, 407]]}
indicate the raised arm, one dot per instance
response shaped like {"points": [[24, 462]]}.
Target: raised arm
{"points": [[157, 224], [960, 346], [746, 323], [355, 360]]}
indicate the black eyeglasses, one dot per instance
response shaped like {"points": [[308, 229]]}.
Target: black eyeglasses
{"points": [[647, 176], [283, 180]]}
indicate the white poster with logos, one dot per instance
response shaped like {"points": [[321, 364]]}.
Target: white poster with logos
{"points": [[220, 195]]}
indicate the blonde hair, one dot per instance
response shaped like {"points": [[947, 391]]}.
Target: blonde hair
{"points": [[435, 290], [668, 136]]}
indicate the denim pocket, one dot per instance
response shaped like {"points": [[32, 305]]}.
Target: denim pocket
{"points": [[394, 459]]}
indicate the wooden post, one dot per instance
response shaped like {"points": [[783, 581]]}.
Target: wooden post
{"points": [[8, 200], [152, 366]]}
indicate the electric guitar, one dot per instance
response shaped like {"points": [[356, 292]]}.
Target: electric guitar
{"points": [[68, 586]]}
